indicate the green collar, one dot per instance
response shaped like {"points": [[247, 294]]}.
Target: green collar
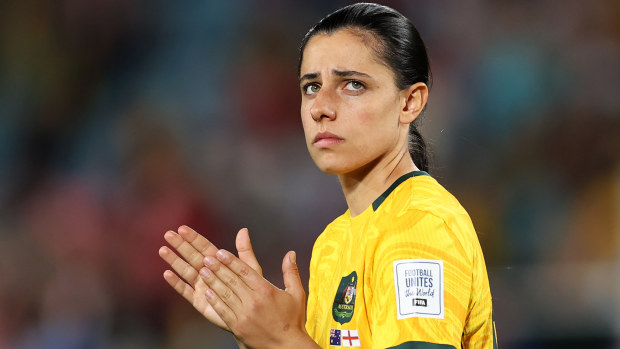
{"points": [[382, 197]]}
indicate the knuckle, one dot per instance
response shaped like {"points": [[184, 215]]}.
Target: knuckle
{"points": [[196, 259], [268, 293], [244, 271], [230, 281], [255, 306], [187, 271], [226, 295]]}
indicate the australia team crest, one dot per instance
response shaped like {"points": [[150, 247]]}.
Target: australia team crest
{"points": [[344, 301]]}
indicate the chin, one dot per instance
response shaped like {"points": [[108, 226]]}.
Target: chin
{"points": [[334, 164], [332, 167], [326, 169], [330, 171]]}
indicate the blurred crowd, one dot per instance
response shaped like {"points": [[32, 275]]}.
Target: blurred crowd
{"points": [[120, 120]]}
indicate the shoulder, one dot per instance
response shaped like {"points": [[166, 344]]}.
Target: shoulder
{"points": [[423, 198], [421, 215], [424, 193]]}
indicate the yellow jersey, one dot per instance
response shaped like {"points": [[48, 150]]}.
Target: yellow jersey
{"points": [[408, 272]]}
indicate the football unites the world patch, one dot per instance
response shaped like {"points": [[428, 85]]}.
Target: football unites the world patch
{"points": [[344, 338], [344, 301], [419, 288]]}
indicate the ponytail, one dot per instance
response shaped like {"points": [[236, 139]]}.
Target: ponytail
{"points": [[417, 148]]}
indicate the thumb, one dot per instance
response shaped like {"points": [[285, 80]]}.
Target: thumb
{"points": [[290, 272], [245, 251]]}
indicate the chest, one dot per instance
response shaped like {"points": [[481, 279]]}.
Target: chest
{"points": [[342, 296]]}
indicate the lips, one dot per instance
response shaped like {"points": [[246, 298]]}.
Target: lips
{"points": [[326, 139]]}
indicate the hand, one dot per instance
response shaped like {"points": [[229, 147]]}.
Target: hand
{"points": [[193, 247], [259, 314]]}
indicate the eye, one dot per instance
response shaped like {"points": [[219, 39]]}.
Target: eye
{"points": [[311, 88], [354, 85]]}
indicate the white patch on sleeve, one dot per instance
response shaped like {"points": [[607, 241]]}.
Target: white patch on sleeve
{"points": [[419, 288]]}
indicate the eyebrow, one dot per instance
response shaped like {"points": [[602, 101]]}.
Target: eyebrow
{"points": [[309, 76], [341, 73]]}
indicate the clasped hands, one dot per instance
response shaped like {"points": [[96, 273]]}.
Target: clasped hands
{"points": [[231, 292]]}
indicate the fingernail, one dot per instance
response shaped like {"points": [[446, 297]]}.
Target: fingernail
{"points": [[221, 255], [210, 293], [293, 257], [210, 261], [205, 272]]}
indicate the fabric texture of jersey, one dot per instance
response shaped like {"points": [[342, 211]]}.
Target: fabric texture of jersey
{"points": [[354, 299]]}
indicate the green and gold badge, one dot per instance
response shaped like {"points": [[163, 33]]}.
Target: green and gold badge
{"points": [[344, 301]]}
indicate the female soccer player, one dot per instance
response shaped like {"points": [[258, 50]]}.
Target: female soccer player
{"points": [[402, 267]]}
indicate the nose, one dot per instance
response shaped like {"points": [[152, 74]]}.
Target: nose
{"points": [[323, 106]]}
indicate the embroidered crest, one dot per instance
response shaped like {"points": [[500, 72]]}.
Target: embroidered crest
{"points": [[344, 301]]}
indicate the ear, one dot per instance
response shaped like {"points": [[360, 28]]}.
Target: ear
{"points": [[414, 100]]}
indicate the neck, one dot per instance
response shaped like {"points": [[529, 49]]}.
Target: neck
{"points": [[362, 186]]}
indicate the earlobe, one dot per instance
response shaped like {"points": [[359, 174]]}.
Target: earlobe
{"points": [[414, 101]]}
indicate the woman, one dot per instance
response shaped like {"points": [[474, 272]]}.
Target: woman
{"points": [[403, 266]]}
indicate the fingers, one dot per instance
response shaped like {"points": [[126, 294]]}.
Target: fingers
{"points": [[182, 288], [199, 242], [221, 308], [290, 273], [181, 267], [192, 246], [187, 251], [226, 284], [247, 275], [245, 251]]}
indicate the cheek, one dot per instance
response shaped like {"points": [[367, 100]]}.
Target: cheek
{"points": [[376, 130], [306, 123], [369, 123]]}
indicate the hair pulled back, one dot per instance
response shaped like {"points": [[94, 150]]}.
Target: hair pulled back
{"points": [[398, 45]]}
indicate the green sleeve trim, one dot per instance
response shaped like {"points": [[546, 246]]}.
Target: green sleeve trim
{"points": [[422, 345], [380, 199]]}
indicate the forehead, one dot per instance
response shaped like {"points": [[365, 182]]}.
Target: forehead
{"points": [[344, 49]]}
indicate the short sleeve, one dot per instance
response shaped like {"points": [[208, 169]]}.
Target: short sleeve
{"points": [[423, 282], [479, 329]]}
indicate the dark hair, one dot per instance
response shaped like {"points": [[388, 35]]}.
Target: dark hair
{"points": [[399, 45]]}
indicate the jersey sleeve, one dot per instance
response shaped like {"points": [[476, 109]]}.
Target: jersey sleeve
{"points": [[423, 288], [479, 329]]}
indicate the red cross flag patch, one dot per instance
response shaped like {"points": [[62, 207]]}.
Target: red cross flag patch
{"points": [[350, 338]]}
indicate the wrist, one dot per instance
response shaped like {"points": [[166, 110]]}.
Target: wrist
{"points": [[300, 341], [240, 343]]}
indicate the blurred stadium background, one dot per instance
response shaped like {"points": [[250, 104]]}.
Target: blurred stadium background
{"points": [[120, 119]]}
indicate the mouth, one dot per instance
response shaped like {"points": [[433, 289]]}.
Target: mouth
{"points": [[326, 139]]}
